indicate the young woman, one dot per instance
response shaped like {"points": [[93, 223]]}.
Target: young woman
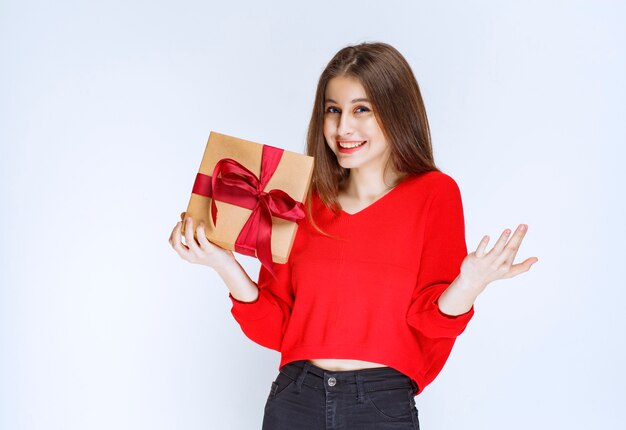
{"points": [[379, 283]]}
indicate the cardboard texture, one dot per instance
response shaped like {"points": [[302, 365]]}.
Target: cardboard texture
{"points": [[292, 175]]}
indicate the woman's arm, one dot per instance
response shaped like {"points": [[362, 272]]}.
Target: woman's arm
{"points": [[208, 254], [262, 310], [241, 287], [264, 319], [443, 251], [479, 269], [458, 298]]}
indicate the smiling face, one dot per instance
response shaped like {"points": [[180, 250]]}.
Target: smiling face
{"points": [[350, 126]]}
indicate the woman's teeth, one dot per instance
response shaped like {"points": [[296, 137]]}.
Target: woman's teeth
{"points": [[351, 145]]}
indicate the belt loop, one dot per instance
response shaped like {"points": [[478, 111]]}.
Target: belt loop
{"points": [[302, 375], [359, 387]]}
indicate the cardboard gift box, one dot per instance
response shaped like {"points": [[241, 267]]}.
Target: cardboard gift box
{"points": [[249, 196]]}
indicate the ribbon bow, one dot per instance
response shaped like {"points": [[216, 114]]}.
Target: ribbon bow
{"points": [[239, 186]]}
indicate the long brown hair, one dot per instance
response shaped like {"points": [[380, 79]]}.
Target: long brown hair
{"points": [[398, 107]]}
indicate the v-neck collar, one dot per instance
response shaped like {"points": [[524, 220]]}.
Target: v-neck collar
{"points": [[376, 202]]}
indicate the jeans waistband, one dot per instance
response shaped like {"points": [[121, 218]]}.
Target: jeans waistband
{"points": [[373, 379]]}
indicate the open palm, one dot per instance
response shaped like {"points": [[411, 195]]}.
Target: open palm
{"points": [[483, 268]]}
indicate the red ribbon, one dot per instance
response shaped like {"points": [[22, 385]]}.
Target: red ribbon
{"points": [[239, 186]]}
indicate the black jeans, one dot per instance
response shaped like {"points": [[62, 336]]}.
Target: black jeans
{"points": [[307, 397]]}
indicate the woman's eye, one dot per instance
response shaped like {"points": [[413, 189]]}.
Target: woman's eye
{"points": [[360, 109]]}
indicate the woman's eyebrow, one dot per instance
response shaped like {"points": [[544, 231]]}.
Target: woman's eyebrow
{"points": [[353, 101]]}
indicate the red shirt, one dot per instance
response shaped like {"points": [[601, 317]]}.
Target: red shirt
{"points": [[370, 294]]}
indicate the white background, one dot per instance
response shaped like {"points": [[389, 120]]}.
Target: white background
{"points": [[104, 114]]}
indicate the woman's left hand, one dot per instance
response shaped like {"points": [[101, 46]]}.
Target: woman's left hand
{"points": [[479, 268]]}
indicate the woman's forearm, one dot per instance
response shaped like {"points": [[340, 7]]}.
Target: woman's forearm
{"points": [[237, 281], [459, 297]]}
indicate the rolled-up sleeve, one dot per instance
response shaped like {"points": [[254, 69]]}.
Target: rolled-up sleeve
{"points": [[443, 251], [265, 320]]}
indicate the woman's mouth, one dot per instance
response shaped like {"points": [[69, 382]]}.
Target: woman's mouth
{"points": [[348, 146]]}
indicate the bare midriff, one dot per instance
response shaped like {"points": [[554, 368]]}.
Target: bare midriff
{"points": [[339, 364]]}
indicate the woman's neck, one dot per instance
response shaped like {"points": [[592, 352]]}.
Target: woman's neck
{"points": [[367, 186]]}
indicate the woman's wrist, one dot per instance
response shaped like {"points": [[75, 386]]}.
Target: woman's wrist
{"points": [[241, 287], [225, 264], [459, 297]]}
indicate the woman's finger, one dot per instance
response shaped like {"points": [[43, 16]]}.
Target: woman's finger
{"points": [[522, 267], [508, 256], [202, 240], [499, 246], [176, 242], [189, 239], [480, 251], [173, 233], [516, 240]]}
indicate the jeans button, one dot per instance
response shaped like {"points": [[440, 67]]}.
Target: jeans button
{"points": [[332, 381]]}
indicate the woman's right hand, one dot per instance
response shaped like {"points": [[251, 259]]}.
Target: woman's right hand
{"points": [[200, 251]]}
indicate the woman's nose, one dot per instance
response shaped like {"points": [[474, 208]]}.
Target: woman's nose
{"points": [[345, 125]]}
